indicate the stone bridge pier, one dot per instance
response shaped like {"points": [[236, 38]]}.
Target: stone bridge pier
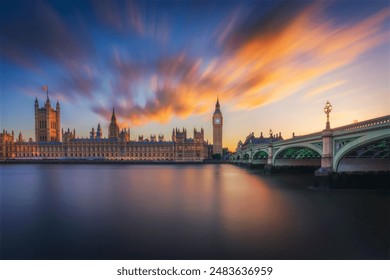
{"points": [[323, 175], [269, 166], [327, 153]]}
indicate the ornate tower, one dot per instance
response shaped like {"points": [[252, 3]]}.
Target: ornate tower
{"points": [[99, 133], [92, 134], [113, 130], [217, 129], [47, 121]]}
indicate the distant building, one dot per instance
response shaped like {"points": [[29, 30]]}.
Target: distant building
{"points": [[251, 139], [117, 146], [6, 140]]}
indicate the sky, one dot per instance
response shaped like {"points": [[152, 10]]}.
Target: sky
{"points": [[162, 64]]}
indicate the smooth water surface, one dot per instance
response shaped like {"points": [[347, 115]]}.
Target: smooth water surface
{"points": [[184, 212]]}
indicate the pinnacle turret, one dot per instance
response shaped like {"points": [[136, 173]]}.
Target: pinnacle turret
{"points": [[113, 130], [113, 118], [47, 104]]}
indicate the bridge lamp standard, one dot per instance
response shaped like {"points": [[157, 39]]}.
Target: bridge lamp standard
{"points": [[327, 110], [269, 160]]}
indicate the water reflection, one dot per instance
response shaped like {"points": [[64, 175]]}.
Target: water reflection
{"points": [[183, 211]]}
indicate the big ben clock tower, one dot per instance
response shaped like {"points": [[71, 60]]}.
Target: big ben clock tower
{"points": [[217, 130]]}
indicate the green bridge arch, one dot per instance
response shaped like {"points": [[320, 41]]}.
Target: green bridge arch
{"points": [[299, 151], [360, 142]]}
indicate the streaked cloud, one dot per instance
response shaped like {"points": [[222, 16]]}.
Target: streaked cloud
{"points": [[39, 32], [323, 89], [130, 16], [124, 54], [269, 64]]}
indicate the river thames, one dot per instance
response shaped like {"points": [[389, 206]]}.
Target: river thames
{"points": [[204, 211]]}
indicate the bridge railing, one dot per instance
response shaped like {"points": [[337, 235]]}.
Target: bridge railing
{"points": [[377, 122], [372, 124], [295, 139], [299, 138]]}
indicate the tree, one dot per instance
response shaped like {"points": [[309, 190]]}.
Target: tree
{"points": [[217, 156]]}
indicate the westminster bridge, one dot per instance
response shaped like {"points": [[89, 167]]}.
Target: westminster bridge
{"points": [[362, 146]]}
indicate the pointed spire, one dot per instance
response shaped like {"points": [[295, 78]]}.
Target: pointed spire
{"points": [[113, 118], [217, 104]]}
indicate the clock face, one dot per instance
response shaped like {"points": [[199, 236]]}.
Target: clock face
{"points": [[217, 120]]}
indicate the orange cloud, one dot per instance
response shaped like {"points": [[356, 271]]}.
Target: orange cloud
{"points": [[266, 67], [270, 67]]}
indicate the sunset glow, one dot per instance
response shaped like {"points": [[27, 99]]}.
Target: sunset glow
{"points": [[161, 64]]}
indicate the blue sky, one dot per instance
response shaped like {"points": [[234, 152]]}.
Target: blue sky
{"points": [[161, 64]]}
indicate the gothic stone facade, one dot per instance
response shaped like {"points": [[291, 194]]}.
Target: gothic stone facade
{"points": [[47, 122], [117, 146], [111, 149]]}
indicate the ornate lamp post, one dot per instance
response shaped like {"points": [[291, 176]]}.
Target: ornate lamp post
{"points": [[327, 110], [268, 166]]}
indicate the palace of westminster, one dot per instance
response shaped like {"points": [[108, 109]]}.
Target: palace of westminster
{"points": [[52, 142]]}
